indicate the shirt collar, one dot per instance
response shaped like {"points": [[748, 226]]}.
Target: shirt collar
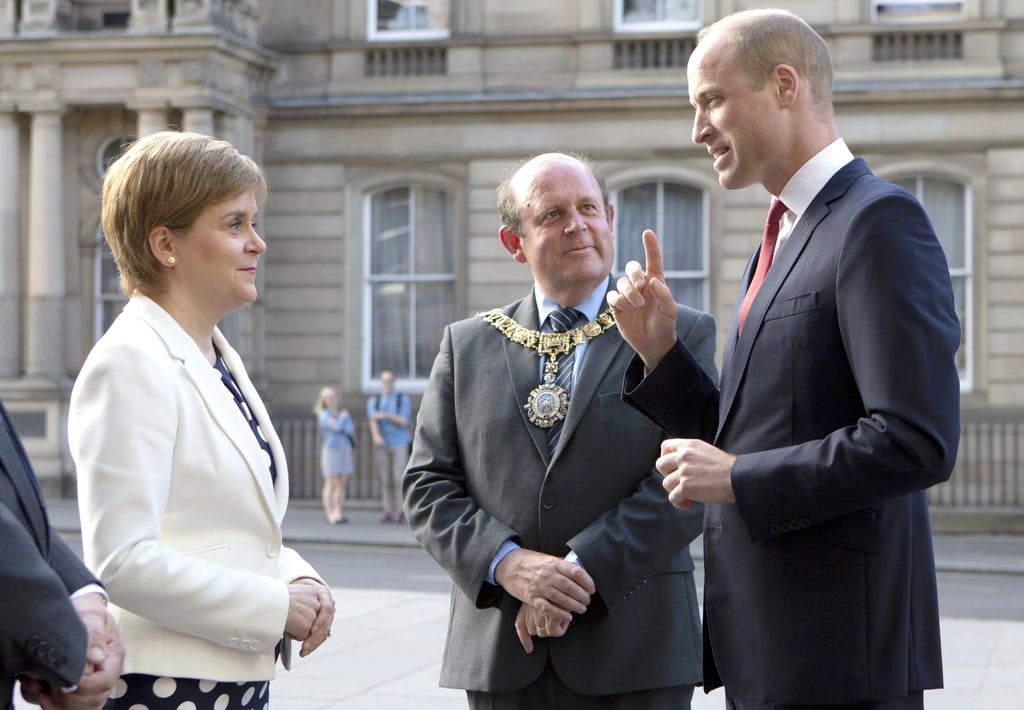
{"points": [[589, 306], [807, 182]]}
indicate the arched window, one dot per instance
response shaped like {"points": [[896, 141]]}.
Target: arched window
{"points": [[107, 298], [409, 291], [948, 205], [677, 214]]}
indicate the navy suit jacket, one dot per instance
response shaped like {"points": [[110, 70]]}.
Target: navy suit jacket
{"points": [[841, 400], [41, 634], [480, 474]]}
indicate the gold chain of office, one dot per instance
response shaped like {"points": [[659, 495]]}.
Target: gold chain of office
{"points": [[548, 403]]}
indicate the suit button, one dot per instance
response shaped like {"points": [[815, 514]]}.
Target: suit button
{"points": [[805, 522], [33, 643], [775, 529], [233, 643], [272, 550], [547, 502]]}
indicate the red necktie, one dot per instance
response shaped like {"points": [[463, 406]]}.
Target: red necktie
{"points": [[764, 258]]}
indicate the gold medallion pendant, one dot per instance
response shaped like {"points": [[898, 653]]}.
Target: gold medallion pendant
{"points": [[548, 403]]}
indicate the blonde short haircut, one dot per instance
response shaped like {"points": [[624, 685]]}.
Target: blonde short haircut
{"points": [[167, 179]]}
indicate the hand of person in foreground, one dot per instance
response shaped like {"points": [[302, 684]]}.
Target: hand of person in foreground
{"points": [[553, 586], [530, 623], [104, 661], [643, 307], [695, 470]]}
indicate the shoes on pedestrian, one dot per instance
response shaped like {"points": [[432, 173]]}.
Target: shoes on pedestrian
{"points": [[401, 518], [387, 518], [341, 521]]}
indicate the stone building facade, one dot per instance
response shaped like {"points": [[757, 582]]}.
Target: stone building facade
{"points": [[385, 125]]}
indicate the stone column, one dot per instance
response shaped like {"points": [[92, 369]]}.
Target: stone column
{"points": [[192, 13], [149, 15], [198, 119], [8, 17], [10, 258], [150, 120], [46, 282], [45, 16]]}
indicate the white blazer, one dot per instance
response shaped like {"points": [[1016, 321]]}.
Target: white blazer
{"points": [[179, 517]]}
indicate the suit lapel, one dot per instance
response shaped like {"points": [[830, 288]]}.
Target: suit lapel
{"points": [[598, 358], [736, 354], [524, 371], [215, 396], [15, 462]]}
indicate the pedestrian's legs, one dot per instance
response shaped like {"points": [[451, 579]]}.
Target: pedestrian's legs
{"points": [[382, 465], [399, 460]]}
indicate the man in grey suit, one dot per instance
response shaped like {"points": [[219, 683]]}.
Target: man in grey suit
{"points": [[531, 482], [67, 651], [839, 401]]}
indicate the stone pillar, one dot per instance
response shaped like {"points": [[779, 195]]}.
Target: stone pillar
{"points": [[150, 120], [10, 258], [238, 131], [192, 13], [45, 16], [8, 17], [198, 119], [46, 283], [149, 15]]}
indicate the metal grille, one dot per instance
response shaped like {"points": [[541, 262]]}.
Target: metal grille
{"points": [[406, 61], [917, 46], [666, 53]]}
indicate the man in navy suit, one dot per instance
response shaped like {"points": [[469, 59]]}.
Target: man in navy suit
{"points": [[56, 634], [838, 403]]}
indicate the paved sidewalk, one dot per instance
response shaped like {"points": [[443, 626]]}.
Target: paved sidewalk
{"points": [[385, 651]]}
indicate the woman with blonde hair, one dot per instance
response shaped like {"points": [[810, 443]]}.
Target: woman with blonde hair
{"points": [[182, 480], [337, 438]]}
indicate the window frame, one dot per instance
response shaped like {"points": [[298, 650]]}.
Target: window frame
{"points": [[965, 272], [619, 24], [369, 280], [375, 35], [660, 180], [101, 297], [915, 17]]}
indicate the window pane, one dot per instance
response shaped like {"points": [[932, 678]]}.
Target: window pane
{"points": [[917, 11], [689, 292], [412, 15], [649, 11], [683, 230], [435, 253], [390, 327], [637, 210], [110, 277], [944, 203], [434, 310], [959, 299], [390, 232]]}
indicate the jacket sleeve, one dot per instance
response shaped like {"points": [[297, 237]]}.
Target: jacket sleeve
{"points": [[40, 632]]}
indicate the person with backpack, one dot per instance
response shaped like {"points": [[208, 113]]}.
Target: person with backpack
{"points": [[389, 414]]}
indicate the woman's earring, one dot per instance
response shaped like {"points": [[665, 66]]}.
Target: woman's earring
{"points": [[171, 261]]}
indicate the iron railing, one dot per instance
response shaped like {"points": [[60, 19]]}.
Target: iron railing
{"points": [[989, 470]]}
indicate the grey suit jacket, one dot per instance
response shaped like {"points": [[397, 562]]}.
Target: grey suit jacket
{"points": [[480, 474], [841, 398], [40, 632]]}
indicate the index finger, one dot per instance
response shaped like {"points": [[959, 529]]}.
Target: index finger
{"points": [[652, 255]]}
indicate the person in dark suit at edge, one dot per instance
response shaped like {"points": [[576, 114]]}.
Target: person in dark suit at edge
{"points": [[573, 582], [56, 635], [839, 399]]}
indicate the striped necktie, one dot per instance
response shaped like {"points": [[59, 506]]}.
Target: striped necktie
{"points": [[561, 320]]}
